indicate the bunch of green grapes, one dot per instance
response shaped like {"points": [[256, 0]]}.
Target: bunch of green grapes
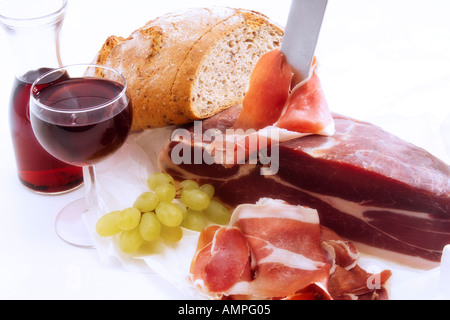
{"points": [[162, 212]]}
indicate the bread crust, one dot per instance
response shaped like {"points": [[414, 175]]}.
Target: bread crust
{"points": [[162, 59]]}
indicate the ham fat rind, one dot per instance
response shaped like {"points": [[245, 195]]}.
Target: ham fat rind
{"points": [[368, 185]]}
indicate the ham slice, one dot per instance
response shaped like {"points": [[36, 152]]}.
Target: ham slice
{"points": [[272, 113], [307, 110], [229, 245], [269, 102], [268, 92], [272, 250], [285, 241], [216, 245]]}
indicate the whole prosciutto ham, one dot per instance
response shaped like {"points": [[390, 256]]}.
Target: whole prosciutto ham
{"points": [[273, 250], [367, 185]]}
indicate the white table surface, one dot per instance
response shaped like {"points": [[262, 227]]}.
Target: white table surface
{"points": [[385, 61]]}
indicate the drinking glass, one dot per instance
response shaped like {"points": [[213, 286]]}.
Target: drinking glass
{"points": [[80, 114]]}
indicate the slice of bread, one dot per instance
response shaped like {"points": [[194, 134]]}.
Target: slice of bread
{"points": [[191, 64]]}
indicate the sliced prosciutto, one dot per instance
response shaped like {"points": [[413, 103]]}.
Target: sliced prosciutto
{"points": [[270, 103], [307, 110], [285, 242], [368, 185], [273, 114], [273, 250], [268, 92], [231, 246]]}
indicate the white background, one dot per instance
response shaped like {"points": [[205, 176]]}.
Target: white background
{"points": [[387, 61]]}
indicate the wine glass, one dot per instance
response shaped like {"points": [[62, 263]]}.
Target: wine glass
{"points": [[80, 114]]}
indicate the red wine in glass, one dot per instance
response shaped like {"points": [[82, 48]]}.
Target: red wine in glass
{"points": [[81, 114], [37, 169], [73, 135]]}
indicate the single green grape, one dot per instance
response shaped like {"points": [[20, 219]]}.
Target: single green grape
{"points": [[218, 213], [189, 184], [169, 214], [208, 189], [195, 199], [182, 208], [107, 225], [165, 192], [150, 227], [146, 202], [130, 241], [195, 220], [129, 219], [171, 234], [158, 179]]}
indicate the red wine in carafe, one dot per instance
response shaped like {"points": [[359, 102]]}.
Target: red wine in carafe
{"points": [[37, 169]]}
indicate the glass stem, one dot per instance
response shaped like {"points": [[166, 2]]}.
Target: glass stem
{"points": [[90, 187]]}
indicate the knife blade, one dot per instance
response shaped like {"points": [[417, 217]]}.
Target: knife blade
{"points": [[301, 36]]}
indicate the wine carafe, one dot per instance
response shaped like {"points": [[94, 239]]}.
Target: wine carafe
{"points": [[33, 28]]}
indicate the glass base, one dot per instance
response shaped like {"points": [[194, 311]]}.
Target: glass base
{"points": [[69, 225]]}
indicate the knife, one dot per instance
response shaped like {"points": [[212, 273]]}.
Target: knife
{"points": [[301, 36]]}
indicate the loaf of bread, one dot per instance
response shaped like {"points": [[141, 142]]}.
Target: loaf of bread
{"points": [[191, 64]]}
